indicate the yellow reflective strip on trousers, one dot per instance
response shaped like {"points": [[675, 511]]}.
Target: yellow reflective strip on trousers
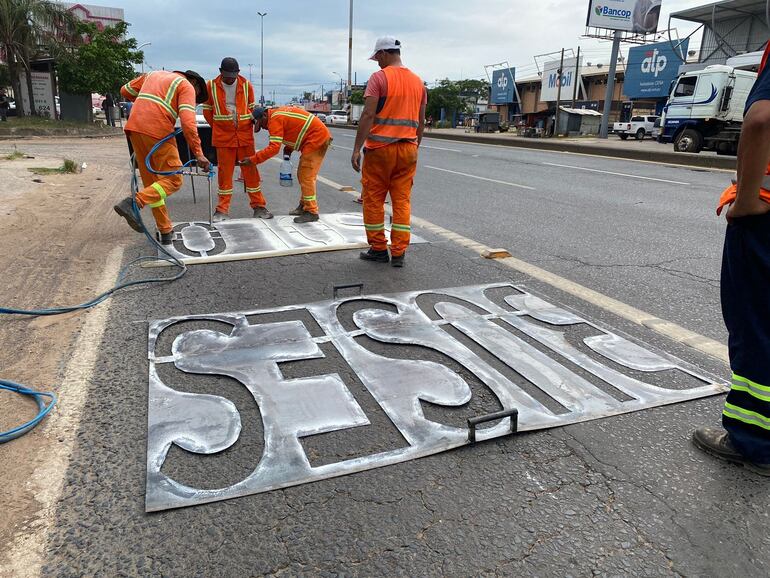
{"points": [[161, 102], [225, 192], [746, 416], [752, 384], [746, 389], [159, 188]]}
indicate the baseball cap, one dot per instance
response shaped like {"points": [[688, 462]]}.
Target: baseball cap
{"points": [[229, 67], [386, 43]]}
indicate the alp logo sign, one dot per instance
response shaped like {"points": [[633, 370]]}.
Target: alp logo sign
{"points": [[502, 82], [655, 63]]}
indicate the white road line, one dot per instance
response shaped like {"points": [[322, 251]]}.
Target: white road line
{"points": [[660, 326], [616, 174], [424, 146], [336, 146], [481, 178], [28, 547]]}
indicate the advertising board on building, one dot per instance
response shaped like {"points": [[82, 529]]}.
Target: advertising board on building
{"points": [[503, 83], [651, 68], [636, 16], [551, 80]]}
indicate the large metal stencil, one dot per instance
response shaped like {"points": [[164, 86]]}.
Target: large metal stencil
{"points": [[520, 330], [199, 242]]}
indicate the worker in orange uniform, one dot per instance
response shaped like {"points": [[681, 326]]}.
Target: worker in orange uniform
{"points": [[228, 112], [390, 131], [160, 97], [298, 130]]}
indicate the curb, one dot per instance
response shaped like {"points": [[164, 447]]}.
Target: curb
{"points": [[666, 157], [25, 132]]}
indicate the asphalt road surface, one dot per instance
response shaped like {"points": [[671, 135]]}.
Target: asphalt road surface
{"points": [[625, 495]]}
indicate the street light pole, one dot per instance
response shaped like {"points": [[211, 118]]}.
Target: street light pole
{"points": [[139, 48], [250, 66], [350, 54], [262, 58]]}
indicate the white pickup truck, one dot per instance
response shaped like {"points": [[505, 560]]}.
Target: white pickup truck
{"points": [[638, 127]]}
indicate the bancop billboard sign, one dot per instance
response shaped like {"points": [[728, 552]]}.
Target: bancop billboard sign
{"points": [[636, 16]]}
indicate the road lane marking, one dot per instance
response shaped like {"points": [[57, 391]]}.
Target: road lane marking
{"points": [[424, 146], [28, 548], [660, 326], [616, 174], [336, 146], [481, 178]]}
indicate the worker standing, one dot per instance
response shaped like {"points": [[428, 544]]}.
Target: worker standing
{"points": [[228, 112], [390, 131], [299, 130], [745, 286], [160, 97]]}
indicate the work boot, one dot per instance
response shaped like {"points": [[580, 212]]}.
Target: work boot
{"points": [[716, 442], [262, 213], [167, 238], [219, 217], [125, 209], [397, 260], [306, 217], [377, 256], [298, 211]]}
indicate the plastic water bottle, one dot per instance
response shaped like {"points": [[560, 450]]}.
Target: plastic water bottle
{"points": [[285, 173]]}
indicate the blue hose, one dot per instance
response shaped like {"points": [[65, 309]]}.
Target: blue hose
{"points": [[121, 284], [43, 409]]}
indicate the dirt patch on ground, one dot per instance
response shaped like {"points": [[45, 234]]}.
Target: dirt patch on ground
{"points": [[56, 231]]}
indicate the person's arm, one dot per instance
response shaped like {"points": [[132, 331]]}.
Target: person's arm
{"points": [[208, 107], [753, 158], [275, 127], [364, 126], [421, 127], [186, 106], [131, 90]]}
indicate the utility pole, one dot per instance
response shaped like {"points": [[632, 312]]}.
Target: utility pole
{"points": [[577, 78], [350, 53], [605, 128], [560, 77], [262, 58]]}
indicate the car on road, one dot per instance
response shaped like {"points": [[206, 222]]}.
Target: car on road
{"points": [[321, 116], [656, 128], [638, 127], [337, 117]]}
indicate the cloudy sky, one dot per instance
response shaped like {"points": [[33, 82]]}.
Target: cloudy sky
{"points": [[306, 41]]}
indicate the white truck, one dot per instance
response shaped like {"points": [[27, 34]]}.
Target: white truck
{"points": [[638, 127], [705, 109]]}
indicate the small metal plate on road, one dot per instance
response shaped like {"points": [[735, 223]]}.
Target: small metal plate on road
{"points": [[257, 238], [552, 365]]}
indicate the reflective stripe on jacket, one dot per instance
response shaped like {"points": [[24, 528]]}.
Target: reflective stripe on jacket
{"points": [[160, 98], [225, 132], [296, 128], [399, 118]]}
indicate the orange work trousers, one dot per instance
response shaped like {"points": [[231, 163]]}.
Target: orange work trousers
{"points": [[226, 159], [307, 173], [157, 187], [388, 169]]}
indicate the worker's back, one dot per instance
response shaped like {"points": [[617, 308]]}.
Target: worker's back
{"points": [[156, 107]]}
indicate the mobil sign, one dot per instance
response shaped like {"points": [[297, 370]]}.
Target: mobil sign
{"points": [[651, 68], [555, 84], [503, 84]]}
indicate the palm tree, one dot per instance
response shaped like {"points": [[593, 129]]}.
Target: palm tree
{"points": [[29, 28]]}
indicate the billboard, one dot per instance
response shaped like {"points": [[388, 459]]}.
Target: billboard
{"points": [[651, 68], [503, 83], [551, 80], [637, 16]]}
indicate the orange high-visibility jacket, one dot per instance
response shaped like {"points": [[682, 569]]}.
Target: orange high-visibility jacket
{"points": [[399, 118], [230, 128], [731, 193], [296, 128], [160, 97]]}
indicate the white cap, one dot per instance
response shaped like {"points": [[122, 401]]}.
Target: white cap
{"points": [[385, 43]]}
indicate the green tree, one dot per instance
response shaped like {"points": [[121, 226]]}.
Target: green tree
{"points": [[357, 97], [102, 62], [447, 96], [28, 30]]}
